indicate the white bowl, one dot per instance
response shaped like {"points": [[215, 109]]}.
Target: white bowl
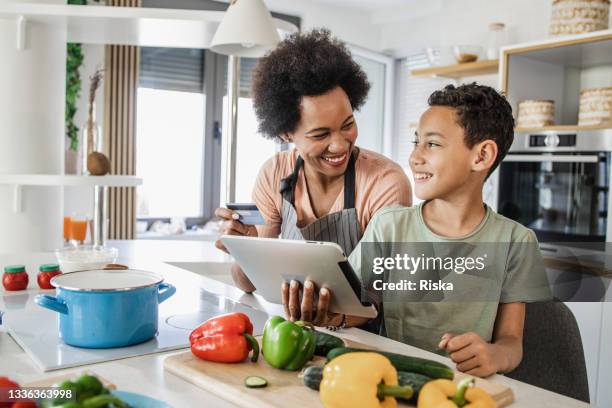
{"points": [[467, 53], [85, 257]]}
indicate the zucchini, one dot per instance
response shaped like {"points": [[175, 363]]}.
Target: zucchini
{"points": [[312, 376], [326, 343], [430, 368], [255, 381]]}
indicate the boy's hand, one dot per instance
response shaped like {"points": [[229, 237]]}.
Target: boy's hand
{"points": [[471, 353]]}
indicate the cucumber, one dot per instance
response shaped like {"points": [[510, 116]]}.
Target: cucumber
{"points": [[430, 368], [254, 381], [415, 380], [312, 376], [326, 343]]}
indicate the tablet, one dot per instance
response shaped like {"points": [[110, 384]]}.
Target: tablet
{"points": [[268, 262]]}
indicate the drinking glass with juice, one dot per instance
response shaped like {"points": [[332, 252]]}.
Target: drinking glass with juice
{"points": [[78, 229], [67, 229]]}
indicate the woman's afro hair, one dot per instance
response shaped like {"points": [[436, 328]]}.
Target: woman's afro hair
{"points": [[304, 64]]}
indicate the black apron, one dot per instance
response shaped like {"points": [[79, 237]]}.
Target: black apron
{"points": [[341, 227]]}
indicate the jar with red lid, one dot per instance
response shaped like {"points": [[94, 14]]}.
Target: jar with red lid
{"points": [[15, 277], [46, 272]]}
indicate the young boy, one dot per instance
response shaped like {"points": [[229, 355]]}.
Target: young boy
{"points": [[460, 140]]}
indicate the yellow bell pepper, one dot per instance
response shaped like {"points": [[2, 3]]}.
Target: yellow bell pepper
{"points": [[445, 394], [365, 380]]}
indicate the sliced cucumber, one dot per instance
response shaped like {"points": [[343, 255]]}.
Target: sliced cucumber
{"points": [[254, 381]]}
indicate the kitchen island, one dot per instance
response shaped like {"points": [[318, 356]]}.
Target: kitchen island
{"points": [[192, 267]]}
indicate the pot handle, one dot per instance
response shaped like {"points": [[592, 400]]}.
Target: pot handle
{"points": [[52, 303], [164, 291]]}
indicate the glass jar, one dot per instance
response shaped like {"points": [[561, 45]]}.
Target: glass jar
{"points": [[15, 277], [91, 141], [46, 273], [495, 40]]}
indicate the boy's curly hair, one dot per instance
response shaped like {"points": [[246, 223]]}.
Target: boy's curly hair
{"points": [[483, 113], [304, 64]]}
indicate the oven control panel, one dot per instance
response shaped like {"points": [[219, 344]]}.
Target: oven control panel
{"points": [[552, 140]]}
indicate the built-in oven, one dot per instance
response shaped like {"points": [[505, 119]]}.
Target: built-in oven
{"points": [[557, 184]]}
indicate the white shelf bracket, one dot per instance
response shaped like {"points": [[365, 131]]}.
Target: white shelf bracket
{"points": [[17, 202], [21, 32]]}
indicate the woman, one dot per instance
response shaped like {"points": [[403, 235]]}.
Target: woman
{"points": [[326, 188]]}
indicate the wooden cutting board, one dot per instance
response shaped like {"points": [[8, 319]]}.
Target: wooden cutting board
{"points": [[284, 387]]}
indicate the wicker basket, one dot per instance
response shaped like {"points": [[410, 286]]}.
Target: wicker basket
{"points": [[595, 107], [579, 16], [536, 113]]}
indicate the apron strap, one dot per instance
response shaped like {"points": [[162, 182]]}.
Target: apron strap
{"points": [[287, 186], [349, 183]]}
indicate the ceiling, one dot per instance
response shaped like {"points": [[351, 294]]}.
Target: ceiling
{"points": [[365, 5]]}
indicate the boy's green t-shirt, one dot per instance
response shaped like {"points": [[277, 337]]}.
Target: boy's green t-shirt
{"points": [[421, 323]]}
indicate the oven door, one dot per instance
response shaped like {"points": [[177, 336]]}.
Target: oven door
{"points": [[563, 197]]}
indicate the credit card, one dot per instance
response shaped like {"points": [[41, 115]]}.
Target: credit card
{"points": [[249, 213]]}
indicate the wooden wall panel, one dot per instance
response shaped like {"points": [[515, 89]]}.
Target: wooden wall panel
{"points": [[122, 67]]}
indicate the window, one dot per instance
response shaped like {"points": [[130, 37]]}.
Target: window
{"points": [[170, 133], [375, 118], [252, 149], [180, 120]]}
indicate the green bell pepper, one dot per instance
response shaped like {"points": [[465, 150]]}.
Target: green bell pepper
{"points": [[288, 345]]}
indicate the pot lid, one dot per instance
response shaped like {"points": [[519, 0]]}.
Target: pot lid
{"points": [[106, 280]]}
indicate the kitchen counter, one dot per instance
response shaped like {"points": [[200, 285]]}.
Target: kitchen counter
{"points": [[146, 375]]}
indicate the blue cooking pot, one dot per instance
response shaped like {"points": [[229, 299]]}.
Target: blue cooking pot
{"points": [[107, 308]]}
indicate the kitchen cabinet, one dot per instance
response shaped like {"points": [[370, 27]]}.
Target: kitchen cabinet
{"points": [[604, 393], [557, 69], [589, 316]]}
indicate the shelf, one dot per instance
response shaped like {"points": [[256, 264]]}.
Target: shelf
{"points": [[459, 70], [577, 51], [141, 26], [69, 180], [561, 128]]}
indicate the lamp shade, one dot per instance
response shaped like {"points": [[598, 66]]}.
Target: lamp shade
{"points": [[247, 30]]}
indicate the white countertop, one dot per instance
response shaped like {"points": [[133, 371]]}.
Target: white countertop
{"points": [[146, 374]]}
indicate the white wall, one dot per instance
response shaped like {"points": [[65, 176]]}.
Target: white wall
{"points": [[448, 22], [350, 25]]}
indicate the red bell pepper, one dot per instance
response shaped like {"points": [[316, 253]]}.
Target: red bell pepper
{"points": [[6, 385], [225, 339]]}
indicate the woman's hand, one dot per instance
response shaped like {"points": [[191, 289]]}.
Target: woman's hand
{"points": [[231, 226], [304, 310]]}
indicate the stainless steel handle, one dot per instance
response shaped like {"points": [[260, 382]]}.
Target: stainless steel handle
{"points": [[539, 158]]}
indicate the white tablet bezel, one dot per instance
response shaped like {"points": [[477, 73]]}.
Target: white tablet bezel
{"points": [[267, 262]]}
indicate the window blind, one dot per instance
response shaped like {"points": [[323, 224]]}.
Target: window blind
{"points": [[247, 65], [174, 69], [412, 102]]}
